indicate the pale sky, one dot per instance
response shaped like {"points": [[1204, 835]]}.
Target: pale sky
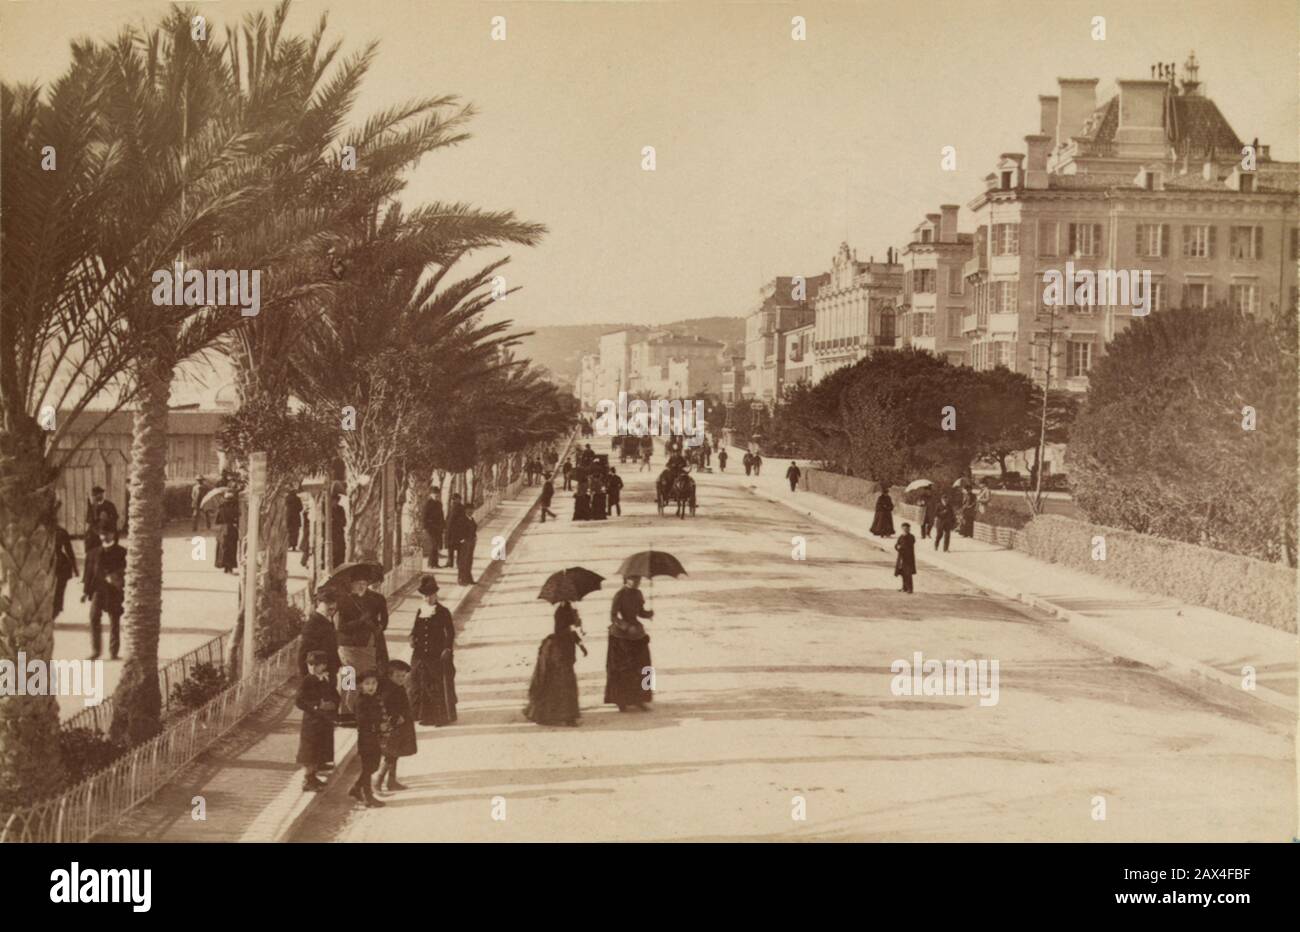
{"points": [[770, 151]]}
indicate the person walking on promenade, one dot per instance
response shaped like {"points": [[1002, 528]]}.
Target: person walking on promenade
{"points": [[553, 690], [434, 524], [567, 469], [318, 634], [905, 565], [882, 525], [465, 552], [968, 505], [647, 451], [944, 520], [581, 502], [722, 460], [399, 738], [455, 527], [627, 661], [65, 563], [748, 462], [318, 700], [599, 499], [433, 670], [758, 464], [370, 724], [100, 514], [228, 533], [614, 485], [197, 491], [104, 584], [548, 495], [929, 509], [293, 517], [793, 474]]}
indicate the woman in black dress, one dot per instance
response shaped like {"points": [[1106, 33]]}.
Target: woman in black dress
{"points": [[553, 692], [432, 686], [582, 502], [883, 523], [628, 673]]}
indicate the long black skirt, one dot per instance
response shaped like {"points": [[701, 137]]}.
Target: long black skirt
{"points": [[553, 692], [626, 666], [432, 688], [316, 740]]}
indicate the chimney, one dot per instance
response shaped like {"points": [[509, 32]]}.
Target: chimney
{"points": [[1141, 117], [1078, 101], [1037, 146], [1048, 108], [948, 223]]}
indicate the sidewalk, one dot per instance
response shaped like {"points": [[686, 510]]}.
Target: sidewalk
{"points": [[249, 783], [1196, 644]]}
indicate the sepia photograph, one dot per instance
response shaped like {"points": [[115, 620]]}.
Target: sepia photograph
{"points": [[387, 389]]}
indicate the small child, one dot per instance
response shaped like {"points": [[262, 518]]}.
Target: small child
{"points": [[399, 741], [370, 724], [318, 700]]}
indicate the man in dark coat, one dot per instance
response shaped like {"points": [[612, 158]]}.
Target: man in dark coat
{"points": [[104, 584], [548, 494], [293, 517], [722, 460], [567, 469], [197, 492], [455, 528], [318, 700], [465, 553], [435, 524], [318, 635], [100, 514], [228, 534], [905, 564], [944, 519], [793, 475], [929, 511], [614, 487], [65, 564], [627, 662], [338, 532]]}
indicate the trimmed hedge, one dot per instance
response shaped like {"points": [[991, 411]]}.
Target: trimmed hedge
{"points": [[1226, 582]]}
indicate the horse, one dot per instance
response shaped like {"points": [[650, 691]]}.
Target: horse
{"points": [[684, 494]]}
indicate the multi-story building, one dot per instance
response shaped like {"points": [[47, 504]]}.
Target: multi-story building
{"points": [[799, 354], [667, 365], [787, 303], [732, 378], [1152, 180], [856, 310], [934, 286]]}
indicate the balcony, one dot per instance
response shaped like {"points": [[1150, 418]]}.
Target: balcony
{"points": [[969, 323], [975, 265], [1004, 323]]}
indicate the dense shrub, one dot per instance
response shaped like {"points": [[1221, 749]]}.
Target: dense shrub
{"points": [[1229, 583], [278, 629], [86, 751], [205, 681]]}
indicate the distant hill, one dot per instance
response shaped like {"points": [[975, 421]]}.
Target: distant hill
{"points": [[560, 349]]}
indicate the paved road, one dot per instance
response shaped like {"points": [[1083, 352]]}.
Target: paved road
{"points": [[774, 693]]}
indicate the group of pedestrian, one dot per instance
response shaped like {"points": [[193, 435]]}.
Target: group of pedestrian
{"points": [[457, 530], [553, 690], [349, 680], [753, 463]]}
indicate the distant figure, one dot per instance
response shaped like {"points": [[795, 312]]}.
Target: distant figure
{"points": [[228, 533], [748, 462], [943, 522], [104, 584], [968, 506], [758, 463], [455, 527], [100, 514], [293, 517], [983, 496], [929, 509], [883, 524], [614, 484], [465, 552], [338, 532], [599, 500], [197, 491], [722, 460], [65, 564], [434, 524], [905, 565], [793, 475], [581, 503], [567, 469], [548, 495]]}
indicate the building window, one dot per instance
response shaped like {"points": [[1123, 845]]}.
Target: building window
{"points": [[954, 321], [956, 284], [923, 325], [1047, 232], [1158, 302], [923, 281], [1196, 294], [1078, 359], [1005, 300], [1084, 239], [1246, 243], [1152, 240], [1006, 239], [1245, 299], [1004, 354], [1198, 242], [925, 235], [1006, 180]]}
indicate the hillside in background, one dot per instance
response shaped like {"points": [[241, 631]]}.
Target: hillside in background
{"points": [[560, 349]]}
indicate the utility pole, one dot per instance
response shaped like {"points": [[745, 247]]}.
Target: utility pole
{"points": [[256, 486]]}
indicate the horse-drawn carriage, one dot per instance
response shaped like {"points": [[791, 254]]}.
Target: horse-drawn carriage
{"points": [[675, 486]]}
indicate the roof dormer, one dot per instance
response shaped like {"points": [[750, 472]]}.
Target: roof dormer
{"points": [[1150, 178]]}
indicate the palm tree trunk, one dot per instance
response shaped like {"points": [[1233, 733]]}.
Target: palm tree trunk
{"points": [[138, 704], [364, 529], [29, 726], [418, 485]]}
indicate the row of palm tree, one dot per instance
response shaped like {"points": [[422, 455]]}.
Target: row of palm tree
{"points": [[230, 153]]}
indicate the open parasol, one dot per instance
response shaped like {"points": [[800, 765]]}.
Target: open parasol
{"points": [[651, 563], [343, 577], [570, 585], [214, 498]]}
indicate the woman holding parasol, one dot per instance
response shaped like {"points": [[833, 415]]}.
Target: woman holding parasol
{"points": [[553, 690]]}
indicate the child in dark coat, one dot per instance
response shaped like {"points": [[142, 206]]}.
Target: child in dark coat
{"points": [[318, 700], [400, 738], [370, 724]]}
